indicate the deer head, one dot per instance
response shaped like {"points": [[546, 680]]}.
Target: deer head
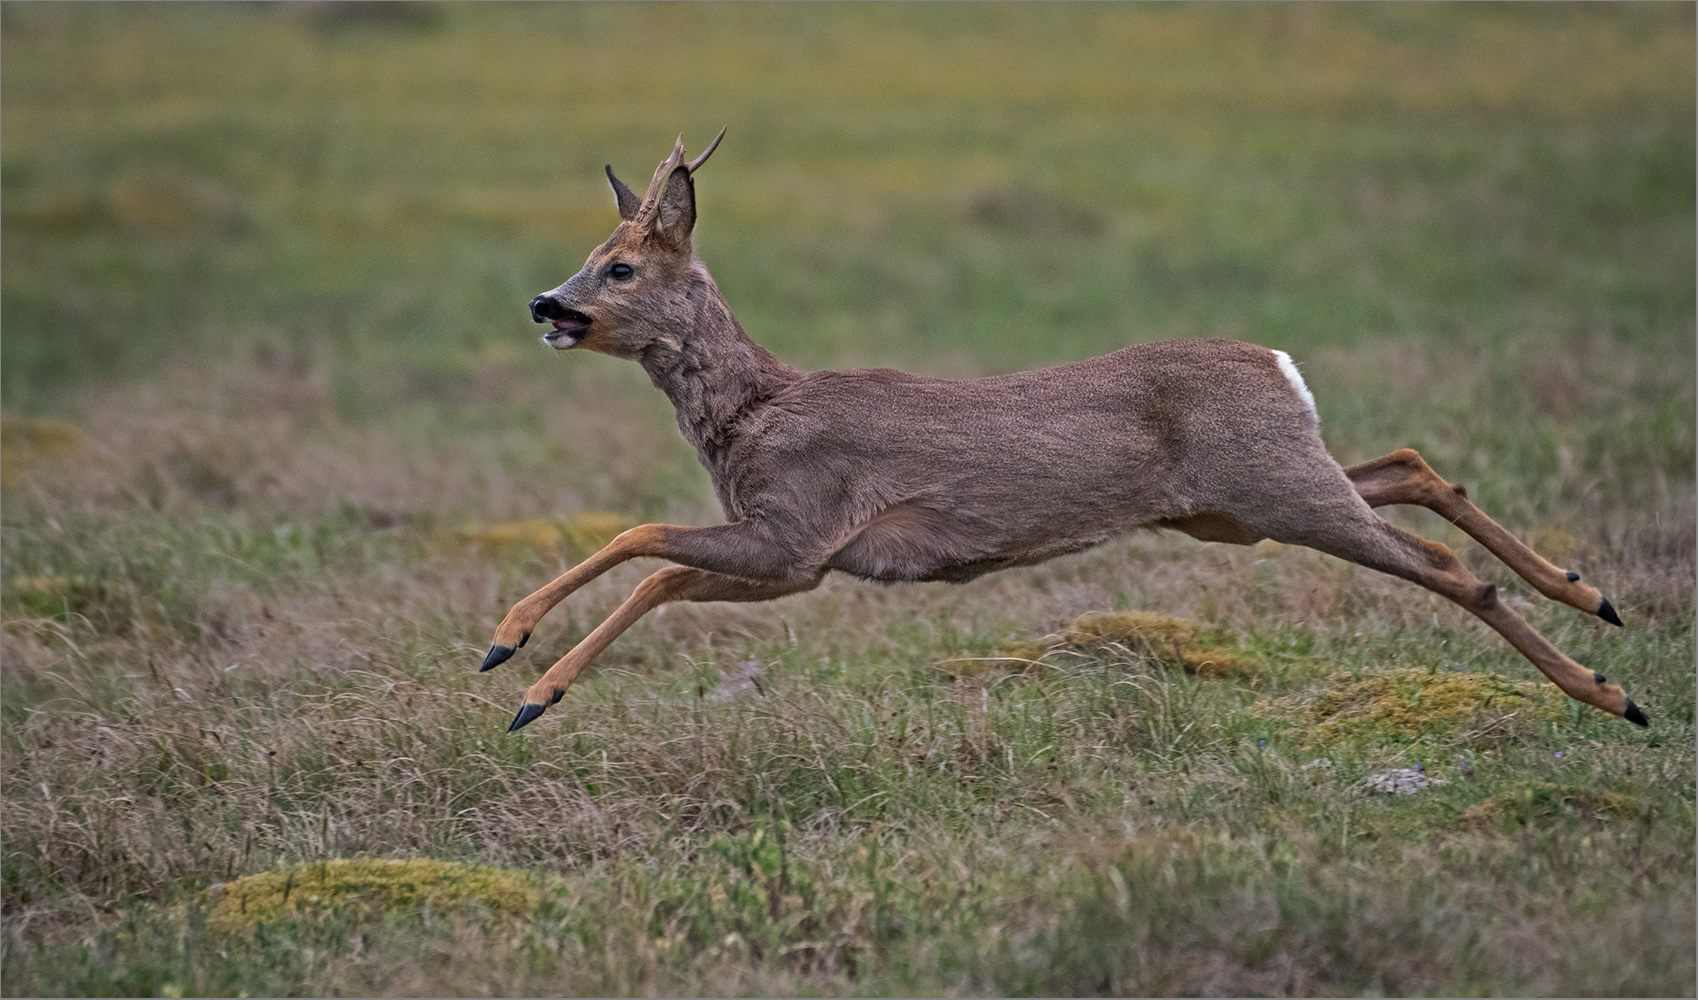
{"points": [[630, 293]]}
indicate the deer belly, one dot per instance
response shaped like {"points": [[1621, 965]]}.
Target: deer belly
{"points": [[911, 541]]}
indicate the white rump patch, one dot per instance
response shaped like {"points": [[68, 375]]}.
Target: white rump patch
{"points": [[1288, 368]]}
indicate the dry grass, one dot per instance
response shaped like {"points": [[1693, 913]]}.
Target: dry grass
{"points": [[197, 694], [257, 533]]}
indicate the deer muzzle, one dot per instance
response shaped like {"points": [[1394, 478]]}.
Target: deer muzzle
{"points": [[570, 325]]}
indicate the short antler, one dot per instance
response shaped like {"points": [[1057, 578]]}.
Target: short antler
{"points": [[673, 162], [696, 163], [630, 206]]}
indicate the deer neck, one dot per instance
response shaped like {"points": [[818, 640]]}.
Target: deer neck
{"points": [[713, 373]]}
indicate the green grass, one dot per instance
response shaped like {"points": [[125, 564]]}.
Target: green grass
{"points": [[269, 383]]}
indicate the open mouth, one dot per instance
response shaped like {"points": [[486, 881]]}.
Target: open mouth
{"points": [[568, 329]]}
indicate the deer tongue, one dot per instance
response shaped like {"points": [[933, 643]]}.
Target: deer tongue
{"points": [[568, 331]]}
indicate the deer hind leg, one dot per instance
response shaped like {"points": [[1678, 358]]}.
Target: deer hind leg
{"points": [[1364, 538], [675, 583], [1403, 477]]}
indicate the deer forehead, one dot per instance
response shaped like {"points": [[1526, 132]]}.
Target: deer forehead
{"points": [[628, 242], [624, 240]]}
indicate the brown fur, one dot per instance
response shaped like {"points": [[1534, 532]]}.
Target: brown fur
{"points": [[891, 476]]}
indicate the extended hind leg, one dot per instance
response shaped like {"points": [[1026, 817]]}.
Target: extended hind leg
{"points": [[1363, 538], [1403, 477]]}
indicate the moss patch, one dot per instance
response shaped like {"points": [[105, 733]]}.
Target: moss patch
{"points": [[1545, 800], [368, 888], [577, 538], [1173, 642], [30, 443], [591, 530], [1410, 703], [55, 595]]}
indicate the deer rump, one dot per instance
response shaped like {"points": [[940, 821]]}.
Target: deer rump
{"points": [[889, 476]]}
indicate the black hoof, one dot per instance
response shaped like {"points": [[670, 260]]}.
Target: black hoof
{"points": [[499, 654], [528, 714], [1607, 613], [1635, 716], [557, 696], [1600, 678], [1573, 576]]}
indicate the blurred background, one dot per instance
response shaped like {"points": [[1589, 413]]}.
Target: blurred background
{"points": [[1473, 225]]}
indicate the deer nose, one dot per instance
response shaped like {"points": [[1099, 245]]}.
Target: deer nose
{"points": [[544, 309]]}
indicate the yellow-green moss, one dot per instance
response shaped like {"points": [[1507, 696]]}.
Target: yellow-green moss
{"points": [[1410, 703], [367, 888], [28, 443], [54, 594], [536, 533], [1545, 800], [591, 530], [1173, 642], [576, 538]]}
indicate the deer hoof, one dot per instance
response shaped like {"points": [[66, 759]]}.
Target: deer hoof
{"points": [[1606, 611], [1635, 716], [499, 654], [528, 714], [1573, 577]]}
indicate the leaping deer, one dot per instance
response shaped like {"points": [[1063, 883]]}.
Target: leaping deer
{"points": [[890, 476]]}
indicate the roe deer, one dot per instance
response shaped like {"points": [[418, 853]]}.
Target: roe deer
{"points": [[890, 476]]}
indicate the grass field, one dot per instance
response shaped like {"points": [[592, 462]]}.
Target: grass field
{"points": [[281, 447]]}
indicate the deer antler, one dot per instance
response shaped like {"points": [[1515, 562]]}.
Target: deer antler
{"points": [[673, 162], [696, 163]]}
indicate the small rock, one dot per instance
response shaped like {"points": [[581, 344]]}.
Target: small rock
{"points": [[1400, 781], [738, 683]]}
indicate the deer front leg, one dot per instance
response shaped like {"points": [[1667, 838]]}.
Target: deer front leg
{"points": [[675, 583], [515, 629], [744, 548]]}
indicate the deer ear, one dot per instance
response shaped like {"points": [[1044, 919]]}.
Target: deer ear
{"points": [[675, 209], [628, 202]]}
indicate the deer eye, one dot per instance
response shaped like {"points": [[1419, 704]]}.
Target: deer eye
{"points": [[620, 272]]}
